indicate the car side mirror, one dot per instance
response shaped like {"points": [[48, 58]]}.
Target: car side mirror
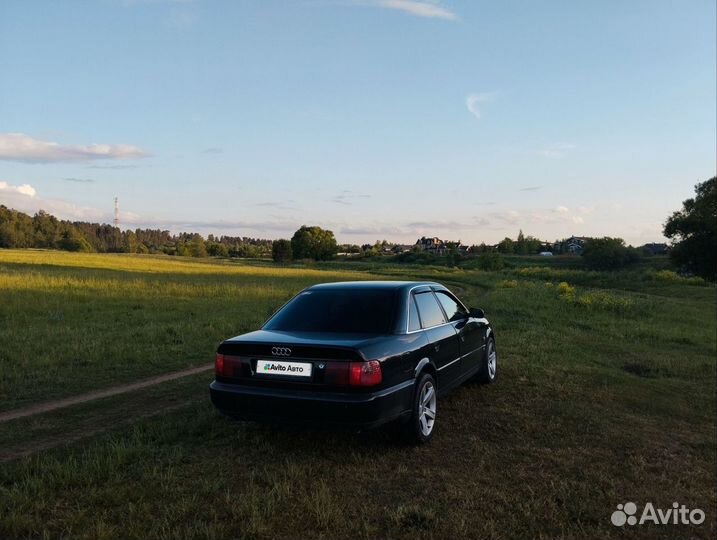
{"points": [[477, 313]]}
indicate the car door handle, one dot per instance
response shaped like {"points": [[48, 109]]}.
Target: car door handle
{"points": [[436, 347]]}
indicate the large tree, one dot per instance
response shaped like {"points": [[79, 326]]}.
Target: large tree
{"points": [[313, 243], [693, 231]]}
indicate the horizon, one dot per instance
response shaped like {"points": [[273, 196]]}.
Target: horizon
{"points": [[446, 240], [376, 119]]}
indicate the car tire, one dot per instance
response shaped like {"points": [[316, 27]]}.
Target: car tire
{"points": [[421, 425], [488, 372]]}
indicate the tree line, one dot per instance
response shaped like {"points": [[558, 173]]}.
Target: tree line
{"points": [[19, 230]]}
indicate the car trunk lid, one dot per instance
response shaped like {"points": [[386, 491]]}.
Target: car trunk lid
{"points": [[267, 358]]}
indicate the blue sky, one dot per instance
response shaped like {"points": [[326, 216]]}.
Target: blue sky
{"points": [[378, 119]]}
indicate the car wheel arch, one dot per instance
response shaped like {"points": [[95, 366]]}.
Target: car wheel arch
{"points": [[490, 335], [425, 366]]}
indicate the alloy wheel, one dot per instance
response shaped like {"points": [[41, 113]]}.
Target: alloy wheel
{"points": [[492, 360], [427, 402]]}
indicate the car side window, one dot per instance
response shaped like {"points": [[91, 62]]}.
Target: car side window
{"points": [[453, 309], [414, 323], [430, 311]]}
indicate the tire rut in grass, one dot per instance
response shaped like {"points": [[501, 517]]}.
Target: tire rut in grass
{"points": [[31, 435], [11, 453], [55, 404]]}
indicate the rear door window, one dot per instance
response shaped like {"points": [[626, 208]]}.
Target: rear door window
{"points": [[430, 311], [453, 309]]}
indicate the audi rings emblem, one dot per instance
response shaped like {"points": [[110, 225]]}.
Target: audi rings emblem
{"points": [[281, 351]]}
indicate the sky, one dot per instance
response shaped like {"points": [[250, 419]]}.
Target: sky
{"points": [[377, 119]]}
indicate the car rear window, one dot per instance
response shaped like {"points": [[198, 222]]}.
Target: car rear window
{"points": [[338, 311]]}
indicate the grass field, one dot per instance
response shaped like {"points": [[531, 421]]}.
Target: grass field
{"points": [[73, 322], [606, 394]]}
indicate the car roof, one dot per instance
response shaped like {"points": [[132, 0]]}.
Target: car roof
{"points": [[365, 285]]}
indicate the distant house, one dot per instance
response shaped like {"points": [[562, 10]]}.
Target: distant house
{"points": [[655, 248], [429, 243], [436, 246], [574, 244]]}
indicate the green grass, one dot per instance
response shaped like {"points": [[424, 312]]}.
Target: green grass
{"points": [[606, 394], [74, 322]]}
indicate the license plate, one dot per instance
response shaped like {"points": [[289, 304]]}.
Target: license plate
{"points": [[288, 369]]}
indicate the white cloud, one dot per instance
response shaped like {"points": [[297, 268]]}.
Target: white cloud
{"points": [[23, 189], [21, 147], [418, 9], [510, 217], [556, 150], [473, 100], [25, 199], [557, 216]]}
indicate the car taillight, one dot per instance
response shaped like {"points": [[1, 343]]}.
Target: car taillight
{"points": [[219, 364], [365, 373]]}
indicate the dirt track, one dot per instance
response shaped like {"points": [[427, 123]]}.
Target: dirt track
{"points": [[46, 406], [92, 426]]}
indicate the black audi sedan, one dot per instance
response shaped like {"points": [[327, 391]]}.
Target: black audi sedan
{"points": [[356, 354]]}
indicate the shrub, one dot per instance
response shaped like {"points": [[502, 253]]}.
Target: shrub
{"points": [[491, 261], [72, 241], [673, 277], [197, 248], [543, 272], [508, 284], [281, 251], [414, 257], [217, 250], [604, 300], [666, 275], [593, 299], [608, 254], [565, 290]]}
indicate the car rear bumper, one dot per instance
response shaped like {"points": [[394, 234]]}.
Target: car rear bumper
{"points": [[322, 408]]}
